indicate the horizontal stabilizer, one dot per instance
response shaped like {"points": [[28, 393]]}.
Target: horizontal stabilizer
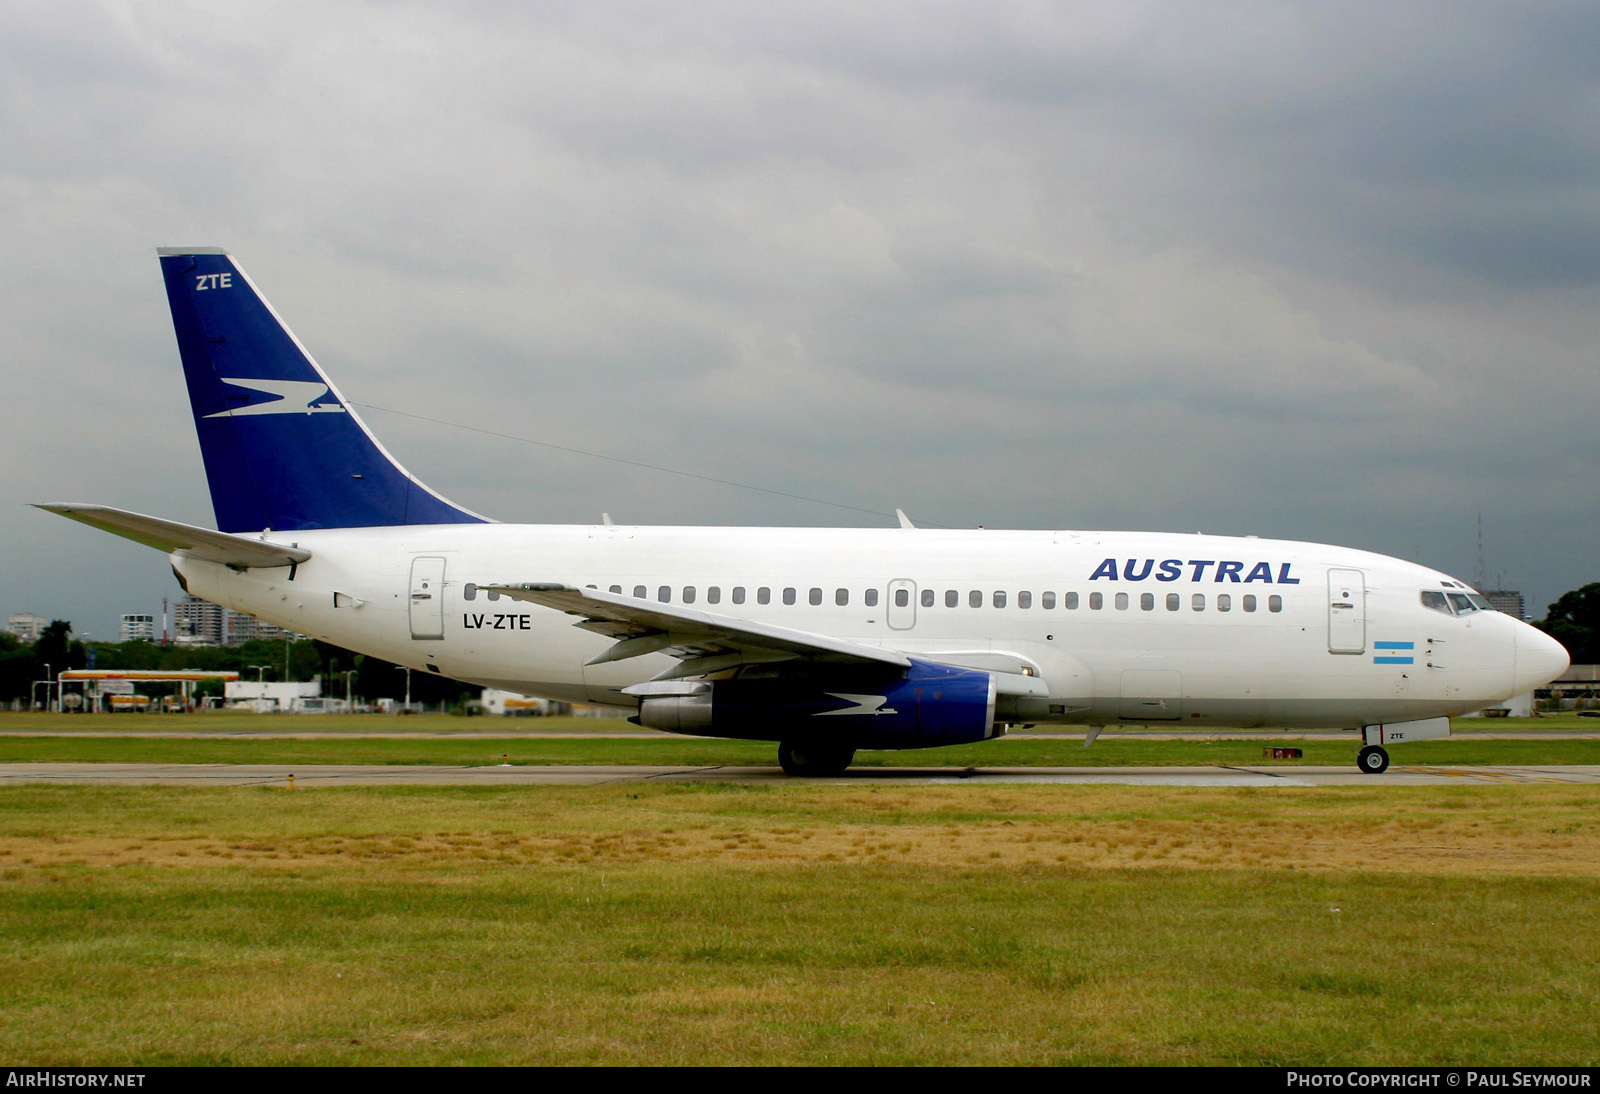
{"points": [[169, 536]]}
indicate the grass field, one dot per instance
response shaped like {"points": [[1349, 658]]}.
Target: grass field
{"points": [[799, 924], [654, 923], [1010, 752], [436, 739], [228, 721]]}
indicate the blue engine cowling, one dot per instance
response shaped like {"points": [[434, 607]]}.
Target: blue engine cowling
{"points": [[927, 705]]}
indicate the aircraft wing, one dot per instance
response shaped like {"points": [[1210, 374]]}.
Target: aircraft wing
{"points": [[241, 552], [702, 641]]}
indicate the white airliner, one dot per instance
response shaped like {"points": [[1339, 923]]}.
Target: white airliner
{"points": [[824, 640]]}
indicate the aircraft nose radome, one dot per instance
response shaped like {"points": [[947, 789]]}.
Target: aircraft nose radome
{"points": [[1540, 659]]}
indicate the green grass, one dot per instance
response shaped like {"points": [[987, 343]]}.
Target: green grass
{"points": [[228, 721], [799, 924], [410, 740], [666, 750]]}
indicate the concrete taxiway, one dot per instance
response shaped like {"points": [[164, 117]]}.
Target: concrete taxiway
{"points": [[324, 775]]}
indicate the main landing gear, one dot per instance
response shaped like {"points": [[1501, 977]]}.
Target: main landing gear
{"points": [[814, 760], [1373, 760]]}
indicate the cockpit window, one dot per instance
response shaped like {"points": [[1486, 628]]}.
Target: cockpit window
{"points": [[1462, 604], [1481, 602], [1432, 598]]}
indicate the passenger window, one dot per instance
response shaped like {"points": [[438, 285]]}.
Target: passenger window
{"points": [[1433, 598], [688, 594], [1274, 603], [1122, 602], [469, 591], [1047, 600], [975, 598], [1174, 601], [714, 594], [951, 598], [1072, 602], [664, 594], [902, 597], [1024, 600], [1147, 602], [1096, 601], [738, 594], [872, 598], [1198, 602], [763, 595], [1224, 602], [815, 596], [788, 595], [1249, 602], [492, 594], [617, 589], [841, 597], [640, 592], [999, 599], [927, 598]]}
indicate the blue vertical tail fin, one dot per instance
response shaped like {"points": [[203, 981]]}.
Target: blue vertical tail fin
{"points": [[282, 448]]}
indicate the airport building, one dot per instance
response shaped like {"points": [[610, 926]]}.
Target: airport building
{"points": [[272, 698]]}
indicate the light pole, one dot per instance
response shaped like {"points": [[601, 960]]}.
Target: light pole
{"points": [[347, 674], [47, 687], [407, 670], [261, 689]]}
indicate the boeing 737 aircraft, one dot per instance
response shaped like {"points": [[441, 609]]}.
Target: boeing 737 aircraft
{"points": [[824, 640]]}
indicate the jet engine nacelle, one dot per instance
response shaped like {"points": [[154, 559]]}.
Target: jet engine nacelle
{"points": [[928, 705]]}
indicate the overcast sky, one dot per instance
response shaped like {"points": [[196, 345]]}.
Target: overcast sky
{"points": [[1321, 272]]}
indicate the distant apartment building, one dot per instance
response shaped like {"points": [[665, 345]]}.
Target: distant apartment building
{"points": [[244, 628], [197, 622], [137, 628], [26, 625], [1506, 600]]}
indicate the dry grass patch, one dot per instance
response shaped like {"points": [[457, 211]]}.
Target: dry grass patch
{"points": [[1467, 830]]}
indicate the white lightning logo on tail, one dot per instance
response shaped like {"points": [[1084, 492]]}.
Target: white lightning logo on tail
{"points": [[288, 397]]}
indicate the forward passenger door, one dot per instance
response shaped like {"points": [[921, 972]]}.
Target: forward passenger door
{"points": [[1347, 611]]}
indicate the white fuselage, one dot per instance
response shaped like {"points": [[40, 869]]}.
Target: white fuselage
{"points": [[1121, 626]]}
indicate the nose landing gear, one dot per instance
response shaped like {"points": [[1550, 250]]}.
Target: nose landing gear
{"points": [[1373, 760]]}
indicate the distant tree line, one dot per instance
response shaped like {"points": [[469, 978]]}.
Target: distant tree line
{"points": [[22, 663], [1574, 621]]}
